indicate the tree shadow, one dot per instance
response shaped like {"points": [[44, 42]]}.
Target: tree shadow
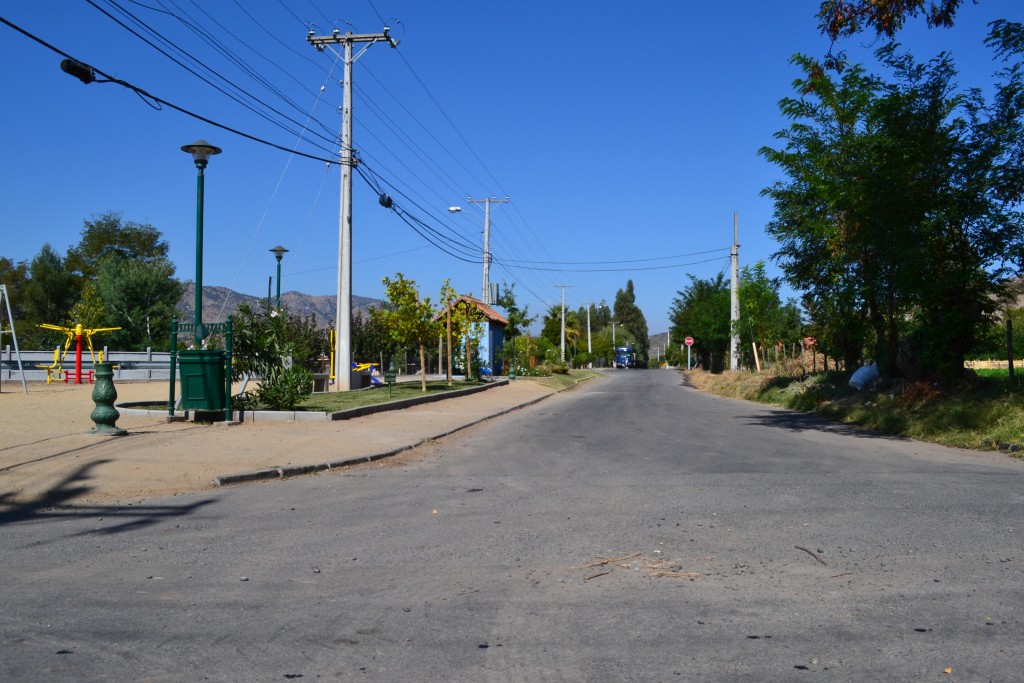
{"points": [[794, 421], [57, 503]]}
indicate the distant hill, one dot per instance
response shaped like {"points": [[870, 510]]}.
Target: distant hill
{"points": [[220, 302]]}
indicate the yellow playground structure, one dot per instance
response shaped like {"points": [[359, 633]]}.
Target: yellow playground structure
{"points": [[55, 370]]}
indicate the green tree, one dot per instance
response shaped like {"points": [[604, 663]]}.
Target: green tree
{"points": [[764, 318], [899, 214], [14, 276], [408, 320], [109, 236], [839, 18], [631, 319], [48, 295], [140, 297], [281, 349], [701, 311], [519, 319], [552, 329]]}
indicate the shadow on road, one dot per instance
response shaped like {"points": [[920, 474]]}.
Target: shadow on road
{"points": [[801, 422], [58, 503]]}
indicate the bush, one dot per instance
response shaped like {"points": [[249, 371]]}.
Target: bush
{"points": [[282, 350]]}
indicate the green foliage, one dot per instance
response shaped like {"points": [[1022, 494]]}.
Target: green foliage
{"points": [[48, 295], [281, 349], [108, 236], [900, 213], [407, 320], [631, 319], [140, 297], [701, 311], [838, 18], [519, 319]]}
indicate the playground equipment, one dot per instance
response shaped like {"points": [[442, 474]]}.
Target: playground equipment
{"points": [[5, 300], [371, 368], [56, 369]]}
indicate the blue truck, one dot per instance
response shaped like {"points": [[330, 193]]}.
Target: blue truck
{"points": [[624, 357]]}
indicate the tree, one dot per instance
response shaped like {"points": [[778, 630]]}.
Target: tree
{"points": [[108, 236], [764, 319], [899, 214], [632, 319], [518, 318], [49, 294], [552, 329], [408, 320], [838, 18], [701, 311], [14, 276], [140, 297], [281, 349]]}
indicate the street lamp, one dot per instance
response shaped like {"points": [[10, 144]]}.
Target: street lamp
{"points": [[201, 151], [279, 251]]}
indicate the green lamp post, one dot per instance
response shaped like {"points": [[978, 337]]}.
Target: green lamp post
{"points": [[201, 151], [279, 251]]}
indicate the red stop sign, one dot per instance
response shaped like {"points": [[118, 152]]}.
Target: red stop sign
{"points": [[689, 341]]}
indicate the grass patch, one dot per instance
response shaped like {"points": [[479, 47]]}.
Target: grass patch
{"points": [[336, 401], [560, 381], [977, 412]]}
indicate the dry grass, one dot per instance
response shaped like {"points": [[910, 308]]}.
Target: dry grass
{"points": [[976, 413]]}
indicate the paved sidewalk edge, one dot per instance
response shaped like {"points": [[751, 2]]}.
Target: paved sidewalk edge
{"points": [[283, 472]]}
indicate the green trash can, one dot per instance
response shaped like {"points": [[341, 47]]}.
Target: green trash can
{"points": [[202, 379]]}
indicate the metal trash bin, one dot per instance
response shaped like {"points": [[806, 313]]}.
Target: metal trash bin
{"points": [[202, 379]]}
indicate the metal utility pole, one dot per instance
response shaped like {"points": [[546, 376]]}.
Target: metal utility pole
{"points": [[343, 337], [563, 319], [589, 351], [485, 295], [734, 315]]}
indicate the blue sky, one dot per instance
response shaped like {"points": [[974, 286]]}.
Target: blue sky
{"points": [[624, 134]]}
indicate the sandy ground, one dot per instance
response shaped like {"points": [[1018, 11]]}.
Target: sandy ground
{"points": [[48, 457]]}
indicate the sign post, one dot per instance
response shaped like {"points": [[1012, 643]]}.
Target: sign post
{"points": [[689, 343]]}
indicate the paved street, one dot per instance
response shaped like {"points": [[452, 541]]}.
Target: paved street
{"points": [[630, 530]]}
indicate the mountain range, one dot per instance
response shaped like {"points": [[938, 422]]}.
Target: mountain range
{"points": [[220, 302]]}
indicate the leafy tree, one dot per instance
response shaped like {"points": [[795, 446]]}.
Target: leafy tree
{"points": [[281, 349], [885, 17], [90, 310], [369, 340], [701, 311], [764, 319], [48, 295], [109, 236], [519, 319], [631, 319], [408, 320], [140, 297], [14, 276], [552, 329], [899, 214]]}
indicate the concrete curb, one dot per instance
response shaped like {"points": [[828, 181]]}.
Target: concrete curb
{"points": [[283, 472], [239, 417]]}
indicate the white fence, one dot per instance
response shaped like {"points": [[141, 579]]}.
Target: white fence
{"points": [[129, 365]]}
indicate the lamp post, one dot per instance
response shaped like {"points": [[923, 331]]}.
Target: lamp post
{"points": [[201, 151], [279, 251]]}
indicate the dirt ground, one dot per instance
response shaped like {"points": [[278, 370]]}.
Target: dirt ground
{"points": [[48, 457]]}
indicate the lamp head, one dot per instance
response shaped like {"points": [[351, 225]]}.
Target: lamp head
{"points": [[201, 151], [279, 251]]}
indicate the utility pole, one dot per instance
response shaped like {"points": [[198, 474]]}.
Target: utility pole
{"points": [[485, 295], [734, 316], [589, 350], [343, 337], [563, 319]]}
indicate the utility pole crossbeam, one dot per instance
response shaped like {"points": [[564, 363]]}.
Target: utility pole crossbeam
{"points": [[485, 295], [343, 323]]}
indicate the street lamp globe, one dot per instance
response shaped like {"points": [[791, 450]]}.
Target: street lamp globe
{"points": [[201, 151]]}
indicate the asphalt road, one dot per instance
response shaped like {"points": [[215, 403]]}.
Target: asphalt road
{"points": [[630, 530]]}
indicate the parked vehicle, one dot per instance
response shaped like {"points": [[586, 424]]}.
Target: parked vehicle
{"points": [[625, 357]]}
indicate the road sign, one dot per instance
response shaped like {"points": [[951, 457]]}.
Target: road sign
{"points": [[689, 341]]}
